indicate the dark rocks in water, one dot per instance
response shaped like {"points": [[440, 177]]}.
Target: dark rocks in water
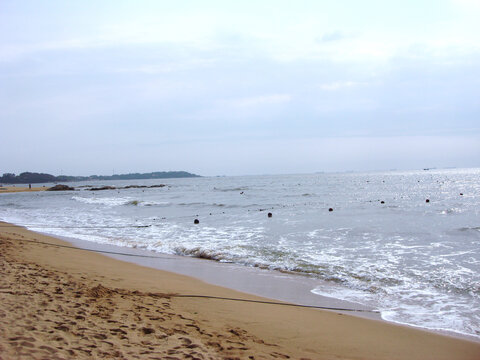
{"points": [[127, 187], [269, 215], [330, 209], [103, 188], [60, 187], [196, 221]]}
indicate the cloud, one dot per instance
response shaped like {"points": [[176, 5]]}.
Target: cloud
{"points": [[260, 100], [338, 85], [332, 36], [475, 4]]}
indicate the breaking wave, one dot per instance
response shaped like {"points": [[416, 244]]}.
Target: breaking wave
{"points": [[199, 253], [118, 201]]}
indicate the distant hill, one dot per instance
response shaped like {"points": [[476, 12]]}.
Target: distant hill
{"points": [[33, 178]]}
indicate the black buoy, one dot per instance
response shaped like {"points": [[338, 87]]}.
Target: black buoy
{"points": [[461, 194], [382, 202], [427, 201], [269, 215], [330, 209], [196, 221]]}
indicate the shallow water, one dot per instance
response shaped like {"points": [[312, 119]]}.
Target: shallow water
{"points": [[418, 262]]}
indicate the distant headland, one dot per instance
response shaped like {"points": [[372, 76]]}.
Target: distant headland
{"points": [[35, 178]]}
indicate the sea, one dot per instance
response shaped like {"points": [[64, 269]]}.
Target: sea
{"points": [[406, 243]]}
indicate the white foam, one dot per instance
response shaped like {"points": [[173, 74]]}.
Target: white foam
{"points": [[108, 201]]}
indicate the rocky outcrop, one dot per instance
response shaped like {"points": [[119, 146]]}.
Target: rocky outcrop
{"points": [[126, 187], [60, 187], [103, 188]]}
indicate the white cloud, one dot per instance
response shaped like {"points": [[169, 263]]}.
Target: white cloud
{"points": [[338, 85], [260, 100], [468, 3], [332, 36]]}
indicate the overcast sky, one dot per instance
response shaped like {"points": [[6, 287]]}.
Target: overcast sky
{"points": [[238, 87]]}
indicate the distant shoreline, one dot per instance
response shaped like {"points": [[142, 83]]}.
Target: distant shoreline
{"points": [[36, 178]]}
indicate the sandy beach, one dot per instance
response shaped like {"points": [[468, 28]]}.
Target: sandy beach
{"points": [[62, 303], [14, 189]]}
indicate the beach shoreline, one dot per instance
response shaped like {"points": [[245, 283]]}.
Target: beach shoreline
{"points": [[99, 306], [266, 283], [271, 284]]}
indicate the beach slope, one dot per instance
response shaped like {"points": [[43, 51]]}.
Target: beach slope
{"points": [[62, 303]]}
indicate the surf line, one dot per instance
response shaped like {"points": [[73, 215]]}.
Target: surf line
{"points": [[75, 227], [92, 250], [194, 295]]}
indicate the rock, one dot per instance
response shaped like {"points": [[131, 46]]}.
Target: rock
{"points": [[330, 209], [269, 214], [60, 187], [427, 201], [103, 188], [196, 221]]}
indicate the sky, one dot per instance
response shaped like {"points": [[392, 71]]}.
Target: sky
{"points": [[238, 87]]}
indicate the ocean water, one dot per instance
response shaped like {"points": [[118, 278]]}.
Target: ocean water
{"points": [[418, 262]]}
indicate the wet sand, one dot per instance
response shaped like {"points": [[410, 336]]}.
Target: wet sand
{"points": [[61, 303], [13, 189]]}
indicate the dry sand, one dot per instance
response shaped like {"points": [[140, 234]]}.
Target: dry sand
{"points": [[61, 303], [12, 189]]}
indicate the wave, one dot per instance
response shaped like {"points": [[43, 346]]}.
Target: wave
{"points": [[192, 204], [13, 205], [221, 205], [147, 203], [199, 253], [241, 188], [118, 201], [107, 201], [474, 228], [284, 263], [452, 211]]}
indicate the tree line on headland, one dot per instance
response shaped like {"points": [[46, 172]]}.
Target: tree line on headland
{"points": [[35, 178]]}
